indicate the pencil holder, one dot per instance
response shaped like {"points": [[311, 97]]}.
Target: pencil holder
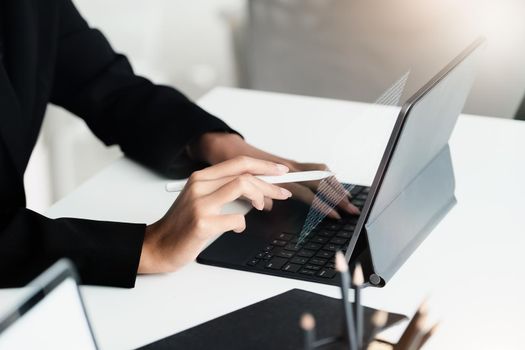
{"points": [[360, 328], [339, 341], [414, 337]]}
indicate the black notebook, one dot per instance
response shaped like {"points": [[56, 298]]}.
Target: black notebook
{"points": [[270, 324]]}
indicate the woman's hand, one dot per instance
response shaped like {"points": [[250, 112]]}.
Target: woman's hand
{"points": [[195, 217], [217, 147]]}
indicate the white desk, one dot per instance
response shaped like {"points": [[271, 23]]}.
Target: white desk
{"points": [[479, 243]]}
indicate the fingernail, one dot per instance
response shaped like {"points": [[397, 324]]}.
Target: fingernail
{"points": [[351, 208], [282, 169], [286, 193], [336, 215]]}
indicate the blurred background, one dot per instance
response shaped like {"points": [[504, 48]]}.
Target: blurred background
{"points": [[344, 49]]}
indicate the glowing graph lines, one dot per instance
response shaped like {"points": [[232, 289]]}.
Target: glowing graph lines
{"points": [[392, 96], [329, 192], [325, 200]]}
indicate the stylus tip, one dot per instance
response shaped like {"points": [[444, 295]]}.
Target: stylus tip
{"points": [[358, 278], [307, 322]]}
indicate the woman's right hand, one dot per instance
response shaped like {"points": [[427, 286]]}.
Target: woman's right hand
{"points": [[196, 215]]}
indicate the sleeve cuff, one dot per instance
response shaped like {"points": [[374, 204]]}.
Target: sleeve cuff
{"points": [[114, 254]]}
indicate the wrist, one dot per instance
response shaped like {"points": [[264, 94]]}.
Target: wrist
{"points": [[147, 262], [215, 147]]}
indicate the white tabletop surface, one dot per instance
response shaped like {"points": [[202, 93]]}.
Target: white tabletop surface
{"points": [[472, 264]]}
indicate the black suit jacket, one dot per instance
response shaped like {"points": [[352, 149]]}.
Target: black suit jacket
{"points": [[50, 54]]}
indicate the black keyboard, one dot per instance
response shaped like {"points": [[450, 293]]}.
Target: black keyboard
{"points": [[313, 255]]}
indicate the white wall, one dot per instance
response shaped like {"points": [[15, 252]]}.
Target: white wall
{"points": [[501, 81], [354, 49], [185, 43]]}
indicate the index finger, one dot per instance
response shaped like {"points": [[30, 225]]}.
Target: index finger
{"points": [[238, 166]]}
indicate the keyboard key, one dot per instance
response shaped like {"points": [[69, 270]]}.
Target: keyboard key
{"points": [[349, 227], [337, 240], [324, 254], [276, 263], [291, 267], [326, 273], [292, 247], [312, 267], [344, 234], [279, 243], [306, 253], [253, 262], [352, 219], [313, 246], [362, 197], [260, 255], [358, 203], [332, 247], [268, 248], [330, 265], [317, 261], [356, 190], [326, 233], [333, 226], [319, 239], [285, 236], [284, 254], [299, 260], [307, 272]]}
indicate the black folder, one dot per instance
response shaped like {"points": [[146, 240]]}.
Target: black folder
{"points": [[270, 324]]}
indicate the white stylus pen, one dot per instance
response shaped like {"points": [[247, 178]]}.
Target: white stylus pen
{"points": [[300, 176]]}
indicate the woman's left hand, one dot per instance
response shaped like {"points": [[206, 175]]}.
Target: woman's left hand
{"points": [[218, 147]]}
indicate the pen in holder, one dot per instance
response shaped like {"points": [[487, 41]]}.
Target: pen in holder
{"points": [[414, 337], [357, 283]]}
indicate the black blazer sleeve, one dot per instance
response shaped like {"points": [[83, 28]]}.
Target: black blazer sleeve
{"points": [[104, 253], [152, 124]]}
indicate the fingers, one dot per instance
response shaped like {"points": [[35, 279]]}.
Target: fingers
{"points": [[310, 166], [203, 188], [340, 195], [305, 195], [335, 189], [238, 166], [322, 207], [248, 186], [268, 204], [270, 191], [313, 185], [230, 222]]}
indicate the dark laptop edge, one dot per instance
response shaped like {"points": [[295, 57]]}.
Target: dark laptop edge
{"points": [[393, 141]]}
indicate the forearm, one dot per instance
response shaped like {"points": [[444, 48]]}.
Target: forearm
{"points": [[153, 124]]}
